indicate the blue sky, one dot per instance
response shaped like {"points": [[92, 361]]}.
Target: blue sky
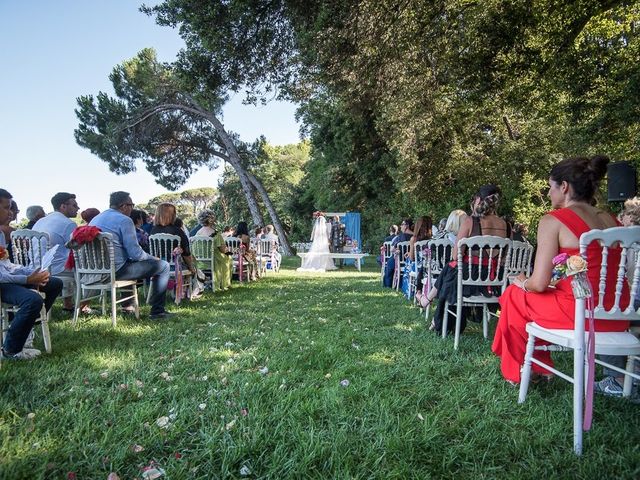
{"points": [[54, 51]]}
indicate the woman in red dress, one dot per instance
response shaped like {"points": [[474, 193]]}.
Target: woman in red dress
{"points": [[572, 186]]}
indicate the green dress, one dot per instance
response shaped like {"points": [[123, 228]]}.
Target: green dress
{"points": [[222, 264]]}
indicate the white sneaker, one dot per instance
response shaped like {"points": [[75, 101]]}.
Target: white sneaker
{"points": [[34, 352], [25, 354]]}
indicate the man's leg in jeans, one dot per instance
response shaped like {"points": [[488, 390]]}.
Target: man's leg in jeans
{"points": [[158, 270], [30, 303], [51, 290]]}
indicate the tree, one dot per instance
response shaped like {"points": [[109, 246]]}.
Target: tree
{"points": [[168, 119], [199, 198]]}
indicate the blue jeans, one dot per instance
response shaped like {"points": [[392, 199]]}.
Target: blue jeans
{"points": [[30, 303], [158, 270]]}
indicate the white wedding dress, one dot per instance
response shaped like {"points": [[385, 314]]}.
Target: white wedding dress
{"points": [[317, 258]]}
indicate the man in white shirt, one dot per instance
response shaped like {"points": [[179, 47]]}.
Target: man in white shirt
{"points": [[59, 226], [275, 242]]}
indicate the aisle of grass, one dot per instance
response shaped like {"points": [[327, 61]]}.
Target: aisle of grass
{"points": [[412, 409]]}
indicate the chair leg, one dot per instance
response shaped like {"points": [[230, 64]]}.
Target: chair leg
{"points": [[578, 395], [103, 302], [628, 379], [136, 302], [149, 293], [525, 374], [46, 336], [445, 320], [456, 339], [76, 306], [485, 321], [113, 305]]}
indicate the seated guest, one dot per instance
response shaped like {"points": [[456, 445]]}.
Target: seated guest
{"points": [[393, 233], [34, 213], [5, 226], [88, 214], [572, 187], [180, 224], [452, 227], [421, 232], [133, 263], [242, 233], [165, 222], [148, 222], [406, 232], [138, 217], [59, 226], [17, 287], [483, 221], [271, 236], [227, 232], [222, 263], [194, 230], [611, 384]]}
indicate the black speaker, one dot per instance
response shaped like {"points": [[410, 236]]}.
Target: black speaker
{"points": [[621, 182]]}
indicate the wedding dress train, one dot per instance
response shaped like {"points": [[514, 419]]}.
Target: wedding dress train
{"points": [[317, 258]]}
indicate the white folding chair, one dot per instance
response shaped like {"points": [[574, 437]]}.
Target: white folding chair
{"points": [[418, 267], [520, 258], [267, 255], [385, 255], [490, 254], [202, 251], [606, 343], [234, 245], [439, 253], [402, 248], [161, 245], [28, 248], [95, 270]]}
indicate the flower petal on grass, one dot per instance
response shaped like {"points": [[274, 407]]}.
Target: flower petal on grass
{"points": [[163, 422]]}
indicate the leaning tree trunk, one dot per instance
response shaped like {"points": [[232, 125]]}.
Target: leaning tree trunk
{"points": [[234, 160], [284, 241]]}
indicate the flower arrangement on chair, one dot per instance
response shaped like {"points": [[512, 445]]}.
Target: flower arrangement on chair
{"points": [[573, 266], [4, 253]]}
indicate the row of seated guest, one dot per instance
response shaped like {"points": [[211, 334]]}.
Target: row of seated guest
{"points": [[406, 232], [18, 287], [222, 262]]}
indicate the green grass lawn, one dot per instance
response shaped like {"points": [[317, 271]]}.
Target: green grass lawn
{"points": [[413, 407]]}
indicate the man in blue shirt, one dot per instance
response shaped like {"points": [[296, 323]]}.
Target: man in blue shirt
{"points": [[17, 285], [131, 262], [59, 226]]}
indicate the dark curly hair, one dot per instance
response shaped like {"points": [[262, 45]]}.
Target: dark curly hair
{"points": [[489, 196], [582, 173]]}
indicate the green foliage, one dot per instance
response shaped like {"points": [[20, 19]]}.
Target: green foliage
{"points": [[414, 407]]}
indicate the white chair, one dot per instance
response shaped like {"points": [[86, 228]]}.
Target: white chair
{"points": [[95, 271], [267, 256], [418, 267], [235, 246], [606, 343], [402, 248], [520, 258], [203, 253], [439, 254], [161, 245], [491, 254], [28, 248], [385, 255]]}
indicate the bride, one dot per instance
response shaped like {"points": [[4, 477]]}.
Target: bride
{"points": [[317, 258]]}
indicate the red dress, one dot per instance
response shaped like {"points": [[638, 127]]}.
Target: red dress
{"points": [[553, 308]]}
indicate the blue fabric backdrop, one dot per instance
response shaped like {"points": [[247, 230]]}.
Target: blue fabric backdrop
{"points": [[352, 228]]}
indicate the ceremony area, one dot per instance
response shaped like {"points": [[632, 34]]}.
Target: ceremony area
{"points": [[294, 376]]}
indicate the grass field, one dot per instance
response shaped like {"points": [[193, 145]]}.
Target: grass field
{"points": [[250, 383]]}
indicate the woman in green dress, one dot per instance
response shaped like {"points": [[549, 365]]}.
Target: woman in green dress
{"points": [[222, 263]]}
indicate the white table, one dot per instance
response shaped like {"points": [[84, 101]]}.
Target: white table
{"points": [[353, 256]]}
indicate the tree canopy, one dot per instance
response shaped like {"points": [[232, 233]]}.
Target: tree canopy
{"points": [[410, 106]]}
